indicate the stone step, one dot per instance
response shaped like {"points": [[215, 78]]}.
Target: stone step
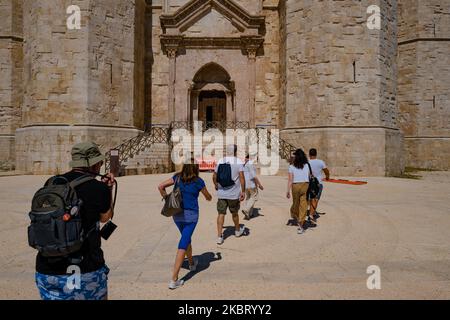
{"points": [[154, 159]]}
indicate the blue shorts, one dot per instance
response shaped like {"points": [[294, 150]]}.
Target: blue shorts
{"points": [[187, 230], [89, 286]]}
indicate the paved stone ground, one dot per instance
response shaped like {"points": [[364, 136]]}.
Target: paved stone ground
{"points": [[400, 225]]}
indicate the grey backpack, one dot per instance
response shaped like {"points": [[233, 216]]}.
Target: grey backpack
{"points": [[56, 229]]}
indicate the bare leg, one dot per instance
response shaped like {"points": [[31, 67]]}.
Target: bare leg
{"points": [[236, 222], [312, 209], [316, 205], [178, 262], [220, 222]]}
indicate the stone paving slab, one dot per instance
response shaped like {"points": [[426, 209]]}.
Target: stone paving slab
{"points": [[401, 225]]}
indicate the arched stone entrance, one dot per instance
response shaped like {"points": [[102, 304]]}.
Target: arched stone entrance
{"points": [[212, 96]]}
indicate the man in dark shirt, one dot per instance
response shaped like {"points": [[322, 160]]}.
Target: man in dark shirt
{"points": [[54, 277]]}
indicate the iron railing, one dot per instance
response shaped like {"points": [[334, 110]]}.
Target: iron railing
{"points": [[224, 125], [138, 144], [206, 125], [286, 149]]}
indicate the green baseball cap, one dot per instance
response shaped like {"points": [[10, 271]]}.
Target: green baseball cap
{"points": [[85, 155]]}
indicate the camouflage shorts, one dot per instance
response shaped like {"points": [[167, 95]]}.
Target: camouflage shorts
{"points": [[224, 204]]}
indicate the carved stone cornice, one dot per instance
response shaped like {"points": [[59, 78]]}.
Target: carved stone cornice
{"points": [[245, 43]]}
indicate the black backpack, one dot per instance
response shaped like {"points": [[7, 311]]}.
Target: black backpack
{"points": [[56, 229], [224, 176], [314, 185]]}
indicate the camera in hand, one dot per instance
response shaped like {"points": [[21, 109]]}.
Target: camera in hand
{"points": [[108, 230]]}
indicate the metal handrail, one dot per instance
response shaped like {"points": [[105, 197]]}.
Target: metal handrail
{"points": [[134, 146], [286, 149]]}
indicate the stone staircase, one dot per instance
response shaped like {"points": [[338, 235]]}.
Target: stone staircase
{"points": [[152, 160], [150, 152]]}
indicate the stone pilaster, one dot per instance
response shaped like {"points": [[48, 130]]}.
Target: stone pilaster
{"points": [[251, 53], [172, 55]]}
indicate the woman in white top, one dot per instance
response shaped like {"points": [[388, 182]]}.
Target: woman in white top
{"points": [[298, 182]]}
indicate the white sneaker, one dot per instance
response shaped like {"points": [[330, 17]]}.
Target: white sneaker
{"points": [[300, 230], [176, 284], [194, 266], [220, 240], [240, 232]]}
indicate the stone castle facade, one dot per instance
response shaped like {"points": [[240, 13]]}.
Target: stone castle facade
{"points": [[372, 101]]}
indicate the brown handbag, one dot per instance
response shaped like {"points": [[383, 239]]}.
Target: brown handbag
{"points": [[173, 202]]}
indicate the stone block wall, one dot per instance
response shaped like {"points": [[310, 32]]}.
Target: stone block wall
{"points": [[79, 84], [340, 81], [112, 65], [338, 71], [11, 68], [423, 88], [47, 150], [352, 151]]}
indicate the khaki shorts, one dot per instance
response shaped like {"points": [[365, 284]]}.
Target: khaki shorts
{"points": [[224, 204]]}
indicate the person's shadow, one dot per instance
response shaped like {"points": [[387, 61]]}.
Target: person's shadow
{"points": [[204, 262], [256, 213], [230, 231]]}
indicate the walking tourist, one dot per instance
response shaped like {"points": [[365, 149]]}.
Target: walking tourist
{"points": [[318, 167], [190, 185], [252, 183], [229, 181], [298, 183]]}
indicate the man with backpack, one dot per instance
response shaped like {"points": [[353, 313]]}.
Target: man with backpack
{"points": [[317, 167], [65, 228], [229, 181]]}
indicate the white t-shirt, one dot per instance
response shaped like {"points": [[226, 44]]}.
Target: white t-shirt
{"points": [[250, 175], [300, 175], [237, 166], [317, 167]]}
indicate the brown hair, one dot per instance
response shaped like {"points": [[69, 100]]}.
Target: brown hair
{"points": [[189, 173], [300, 159]]}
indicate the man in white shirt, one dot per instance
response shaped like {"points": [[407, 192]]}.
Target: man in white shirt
{"points": [[252, 184], [229, 180], [317, 166]]}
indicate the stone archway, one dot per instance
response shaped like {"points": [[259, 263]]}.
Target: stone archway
{"points": [[212, 95]]}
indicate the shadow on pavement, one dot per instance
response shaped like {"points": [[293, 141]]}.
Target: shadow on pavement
{"points": [[204, 262], [230, 230], [256, 213]]}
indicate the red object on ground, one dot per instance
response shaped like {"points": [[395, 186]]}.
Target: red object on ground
{"points": [[207, 164], [342, 181]]}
